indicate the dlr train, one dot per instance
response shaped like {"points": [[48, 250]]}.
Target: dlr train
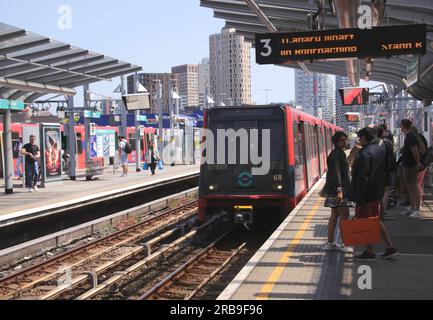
{"points": [[298, 145], [23, 130]]}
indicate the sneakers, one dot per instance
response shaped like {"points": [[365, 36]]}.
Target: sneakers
{"points": [[389, 253], [30, 190], [404, 204], [406, 212], [414, 214], [345, 249], [333, 246], [365, 256], [35, 189], [330, 246]]}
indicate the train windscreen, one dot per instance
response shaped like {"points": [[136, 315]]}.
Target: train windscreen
{"points": [[249, 150]]}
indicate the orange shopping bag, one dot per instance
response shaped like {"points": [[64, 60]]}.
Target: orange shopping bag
{"points": [[360, 231]]}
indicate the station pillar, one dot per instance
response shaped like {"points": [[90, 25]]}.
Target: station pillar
{"points": [[9, 161]]}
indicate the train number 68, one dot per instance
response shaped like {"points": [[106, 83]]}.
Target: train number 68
{"points": [[278, 177]]}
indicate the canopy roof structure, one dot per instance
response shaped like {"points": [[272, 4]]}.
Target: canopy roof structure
{"points": [[32, 65], [304, 15]]}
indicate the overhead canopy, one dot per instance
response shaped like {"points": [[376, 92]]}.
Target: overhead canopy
{"points": [[32, 65], [294, 15]]}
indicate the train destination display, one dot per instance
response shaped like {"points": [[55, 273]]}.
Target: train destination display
{"points": [[277, 48]]}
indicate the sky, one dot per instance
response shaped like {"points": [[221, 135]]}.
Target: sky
{"points": [[153, 34]]}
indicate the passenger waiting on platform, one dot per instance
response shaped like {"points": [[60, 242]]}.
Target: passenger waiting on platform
{"points": [[152, 157], [123, 156], [17, 149], [336, 189], [390, 167], [32, 153], [422, 147], [411, 161], [367, 188]]}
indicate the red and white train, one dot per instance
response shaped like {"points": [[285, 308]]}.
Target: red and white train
{"points": [[20, 130], [299, 145]]}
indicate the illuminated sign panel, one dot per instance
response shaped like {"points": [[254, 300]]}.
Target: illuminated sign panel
{"points": [[276, 48], [354, 96]]}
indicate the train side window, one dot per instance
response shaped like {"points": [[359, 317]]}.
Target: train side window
{"points": [[15, 140], [296, 144], [132, 140], [79, 143]]}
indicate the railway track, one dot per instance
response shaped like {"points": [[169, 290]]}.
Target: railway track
{"points": [[185, 282], [53, 278]]}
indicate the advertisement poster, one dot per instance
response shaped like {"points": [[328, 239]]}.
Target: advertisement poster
{"points": [[103, 144], [52, 144], [93, 147], [197, 146]]}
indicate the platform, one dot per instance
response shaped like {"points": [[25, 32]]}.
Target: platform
{"points": [[293, 265], [67, 192]]}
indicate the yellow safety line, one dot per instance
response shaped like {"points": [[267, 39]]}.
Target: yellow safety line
{"points": [[282, 264]]}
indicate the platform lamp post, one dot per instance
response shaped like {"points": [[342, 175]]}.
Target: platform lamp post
{"points": [[138, 88], [174, 114], [159, 102]]}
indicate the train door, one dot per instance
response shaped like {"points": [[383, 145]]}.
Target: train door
{"points": [[1, 157], [318, 132], [303, 131], [299, 159]]}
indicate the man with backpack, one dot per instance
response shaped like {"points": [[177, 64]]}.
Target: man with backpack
{"points": [[390, 167], [124, 150]]}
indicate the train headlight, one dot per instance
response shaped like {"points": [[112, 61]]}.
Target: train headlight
{"points": [[278, 187], [213, 187]]}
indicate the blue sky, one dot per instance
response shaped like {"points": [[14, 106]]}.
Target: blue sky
{"points": [[153, 34]]}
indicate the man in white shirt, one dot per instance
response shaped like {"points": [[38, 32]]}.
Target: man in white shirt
{"points": [[123, 156]]}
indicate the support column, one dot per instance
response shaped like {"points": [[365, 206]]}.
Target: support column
{"points": [[72, 141], [86, 94], [9, 161], [137, 131], [124, 112], [172, 137], [160, 117]]}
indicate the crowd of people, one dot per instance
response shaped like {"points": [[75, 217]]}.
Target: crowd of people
{"points": [[366, 178], [31, 153]]}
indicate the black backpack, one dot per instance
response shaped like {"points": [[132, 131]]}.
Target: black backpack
{"points": [[128, 148]]}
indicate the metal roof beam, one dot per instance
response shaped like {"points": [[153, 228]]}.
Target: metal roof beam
{"points": [[44, 66], [46, 70], [12, 35], [35, 87], [23, 46]]}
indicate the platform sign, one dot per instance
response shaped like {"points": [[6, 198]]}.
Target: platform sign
{"points": [[278, 48], [4, 104], [14, 105], [141, 118], [91, 114]]}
